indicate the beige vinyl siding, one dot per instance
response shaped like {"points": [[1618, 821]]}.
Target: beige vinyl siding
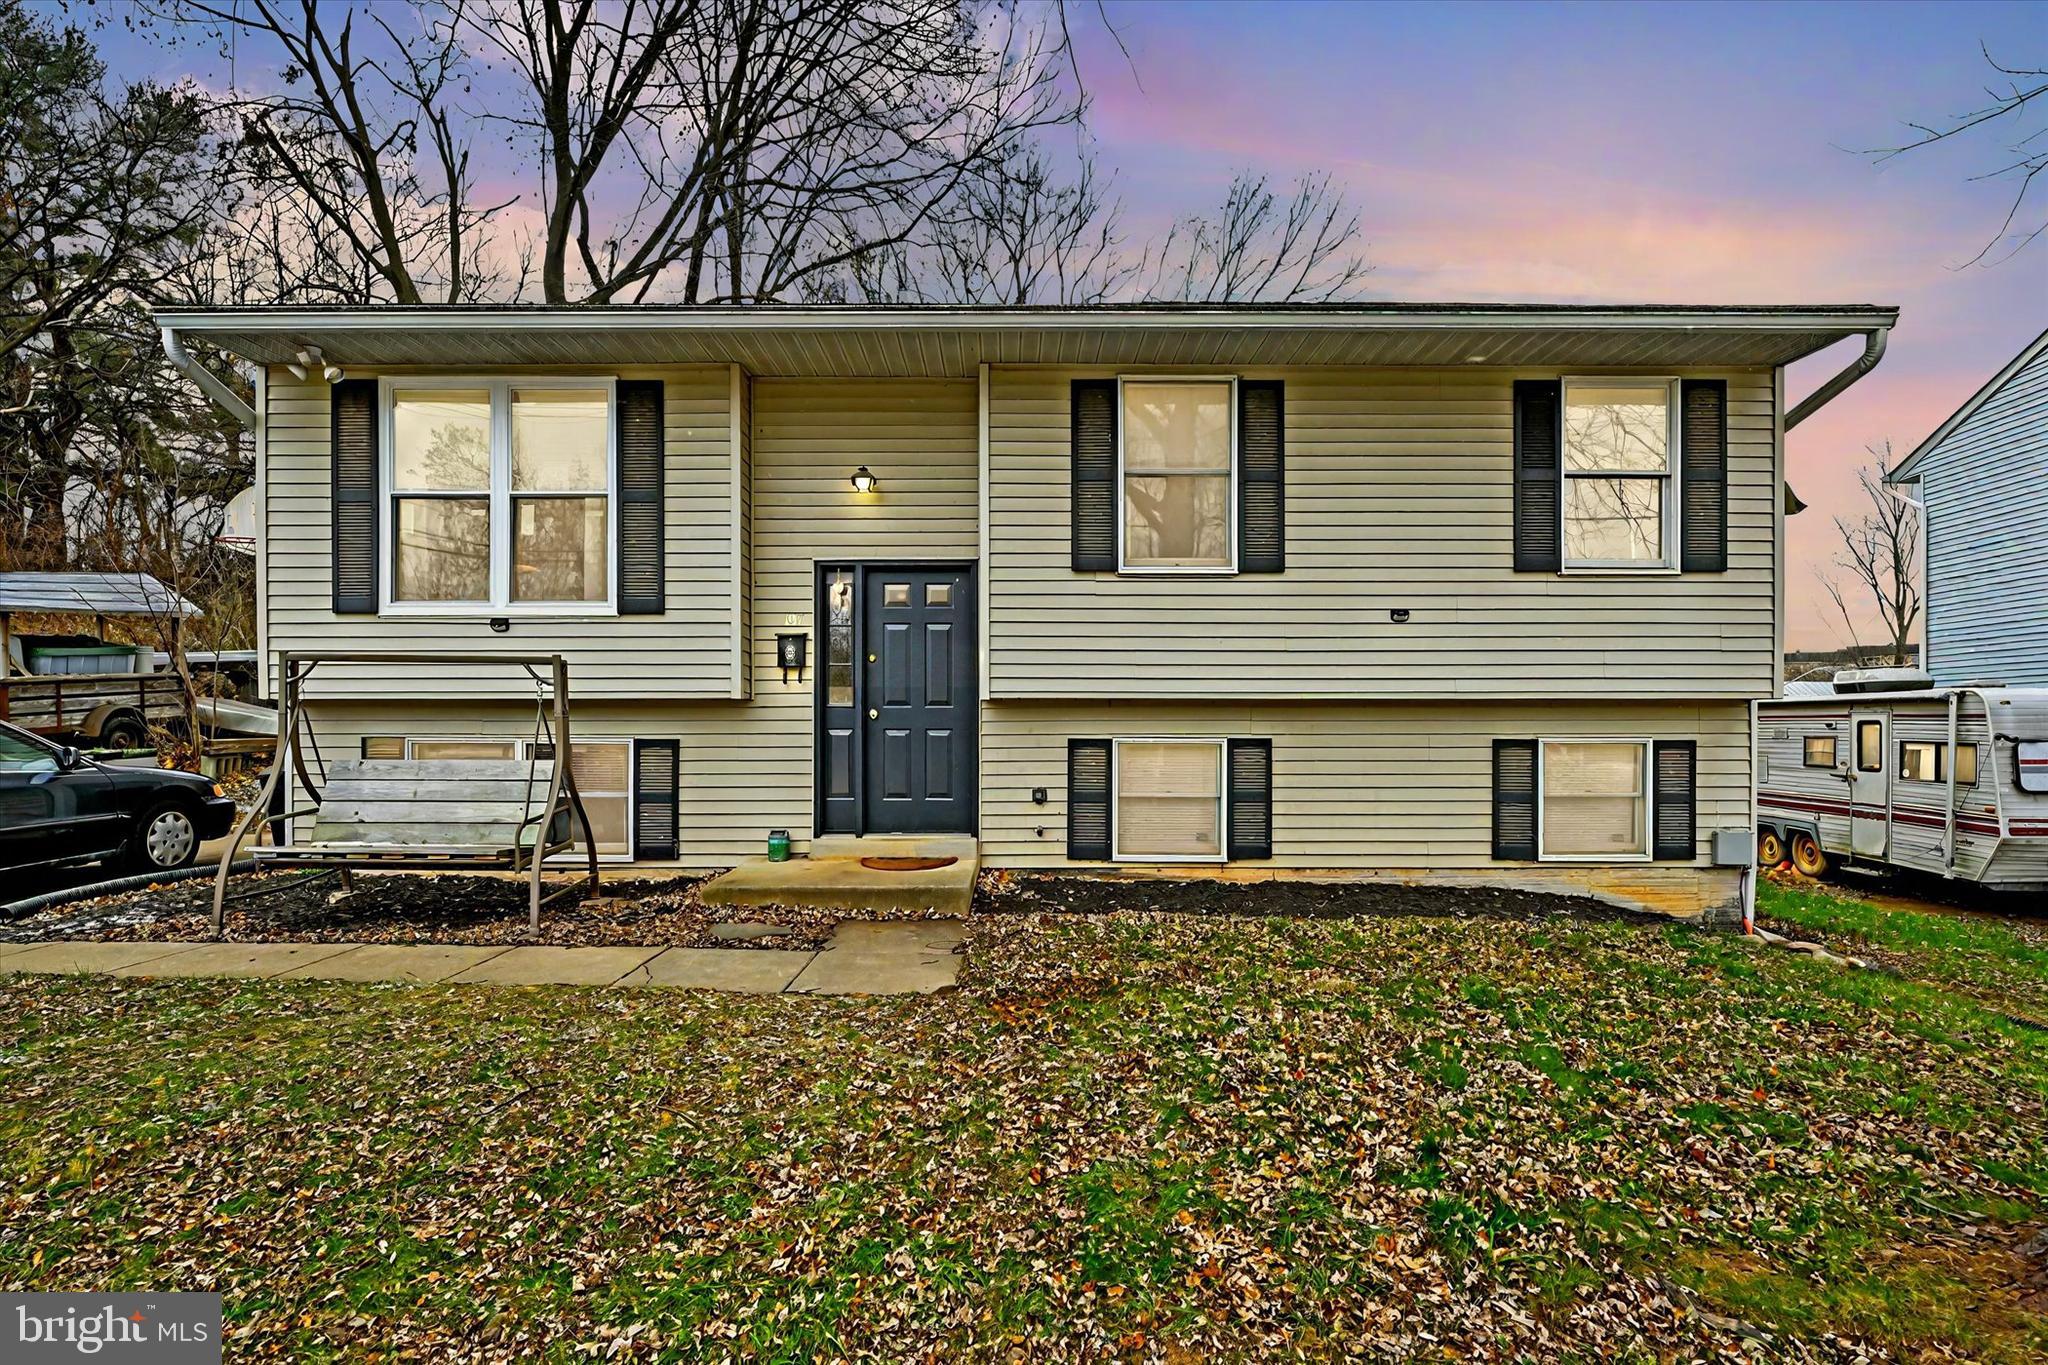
{"points": [[749, 769], [743, 512], [747, 765], [1388, 785], [685, 652], [1399, 495]]}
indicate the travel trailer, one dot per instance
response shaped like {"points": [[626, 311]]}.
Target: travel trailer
{"points": [[1952, 781]]}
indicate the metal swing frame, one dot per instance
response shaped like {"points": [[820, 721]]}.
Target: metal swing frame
{"points": [[295, 669]]}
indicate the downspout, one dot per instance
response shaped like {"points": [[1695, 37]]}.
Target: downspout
{"points": [[1873, 351], [224, 397]]}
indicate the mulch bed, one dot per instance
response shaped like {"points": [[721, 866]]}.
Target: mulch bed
{"points": [[467, 909], [1012, 893], [420, 908]]}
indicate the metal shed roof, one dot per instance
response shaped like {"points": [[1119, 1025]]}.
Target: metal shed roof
{"points": [[951, 342], [99, 594]]}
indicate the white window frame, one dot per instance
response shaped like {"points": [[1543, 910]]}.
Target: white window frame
{"points": [[1649, 799], [1230, 532], [1672, 524], [503, 530], [1222, 747], [520, 745]]}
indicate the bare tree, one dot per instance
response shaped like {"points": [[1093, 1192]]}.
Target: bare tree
{"points": [[1260, 247], [1019, 234], [366, 146], [2022, 157], [1880, 550]]}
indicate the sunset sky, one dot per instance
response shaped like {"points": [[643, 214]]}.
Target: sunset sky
{"points": [[1599, 153]]}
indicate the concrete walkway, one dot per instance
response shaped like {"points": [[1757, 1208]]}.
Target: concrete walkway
{"points": [[898, 957]]}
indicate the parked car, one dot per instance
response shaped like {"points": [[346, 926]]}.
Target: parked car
{"points": [[58, 807]]}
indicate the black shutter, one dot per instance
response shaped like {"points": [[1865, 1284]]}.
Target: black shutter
{"points": [[1539, 462], [353, 463], [1251, 799], [1703, 476], [1673, 820], [656, 797], [1514, 800], [641, 511], [1094, 476], [1088, 800], [1261, 476]]}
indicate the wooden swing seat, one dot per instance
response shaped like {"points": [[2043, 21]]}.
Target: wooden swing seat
{"points": [[412, 813]]}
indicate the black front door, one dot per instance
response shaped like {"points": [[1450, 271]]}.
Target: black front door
{"points": [[897, 700]]}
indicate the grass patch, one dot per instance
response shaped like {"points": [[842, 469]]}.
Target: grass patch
{"points": [[1127, 1135]]}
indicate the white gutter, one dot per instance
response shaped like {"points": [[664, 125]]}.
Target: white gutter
{"points": [[224, 397], [1873, 351], [587, 318]]}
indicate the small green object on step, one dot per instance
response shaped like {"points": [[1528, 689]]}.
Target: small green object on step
{"points": [[778, 845]]}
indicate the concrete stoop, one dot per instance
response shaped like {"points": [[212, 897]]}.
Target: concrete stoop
{"points": [[836, 880]]}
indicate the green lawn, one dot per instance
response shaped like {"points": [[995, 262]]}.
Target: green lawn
{"points": [[1127, 1136]]}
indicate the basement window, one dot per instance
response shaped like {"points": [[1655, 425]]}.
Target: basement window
{"points": [[1169, 800], [603, 772], [1592, 799]]}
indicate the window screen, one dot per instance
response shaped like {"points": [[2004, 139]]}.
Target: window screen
{"points": [[1169, 799], [1593, 799], [1177, 475]]}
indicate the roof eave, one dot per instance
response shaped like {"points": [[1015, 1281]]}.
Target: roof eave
{"points": [[1909, 468]]}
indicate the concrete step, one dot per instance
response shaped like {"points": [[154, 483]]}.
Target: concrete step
{"points": [[843, 884], [895, 846]]}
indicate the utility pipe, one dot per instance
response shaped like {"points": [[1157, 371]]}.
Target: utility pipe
{"points": [[1873, 351], [226, 398]]}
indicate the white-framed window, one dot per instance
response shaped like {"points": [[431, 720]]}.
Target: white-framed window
{"points": [[1922, 761], [603, 770], [1620, 473], [498, 495], [1593, 799], [1177, 474], [1169, 800]]}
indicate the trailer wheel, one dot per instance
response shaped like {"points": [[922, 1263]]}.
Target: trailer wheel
{"points": [[1770, 848], [1807, 855], [124, 730]]}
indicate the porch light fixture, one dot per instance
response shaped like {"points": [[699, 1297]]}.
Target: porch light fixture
{"points": [[863, 480], [791, 650]]}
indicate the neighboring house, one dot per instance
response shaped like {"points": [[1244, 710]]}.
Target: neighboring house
{"points": [[1416, 589], [1983, 485]]}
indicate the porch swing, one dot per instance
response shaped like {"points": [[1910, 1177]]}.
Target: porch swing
{"points": [[423, 814]]}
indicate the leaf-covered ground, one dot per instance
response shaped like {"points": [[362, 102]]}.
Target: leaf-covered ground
{"points": [[1132, 1135]]}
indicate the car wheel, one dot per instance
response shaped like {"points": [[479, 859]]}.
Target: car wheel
{"points": [[1807, 855], [165, 839], [125, 731], [1770, 849]]}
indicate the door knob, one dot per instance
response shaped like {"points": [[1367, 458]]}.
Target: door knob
{"points": [[873, 714]]}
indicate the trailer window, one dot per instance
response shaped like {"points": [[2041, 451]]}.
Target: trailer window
{"points": [[1920, 761], [1870, 746], [1966, 765], [1820, 751]]}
